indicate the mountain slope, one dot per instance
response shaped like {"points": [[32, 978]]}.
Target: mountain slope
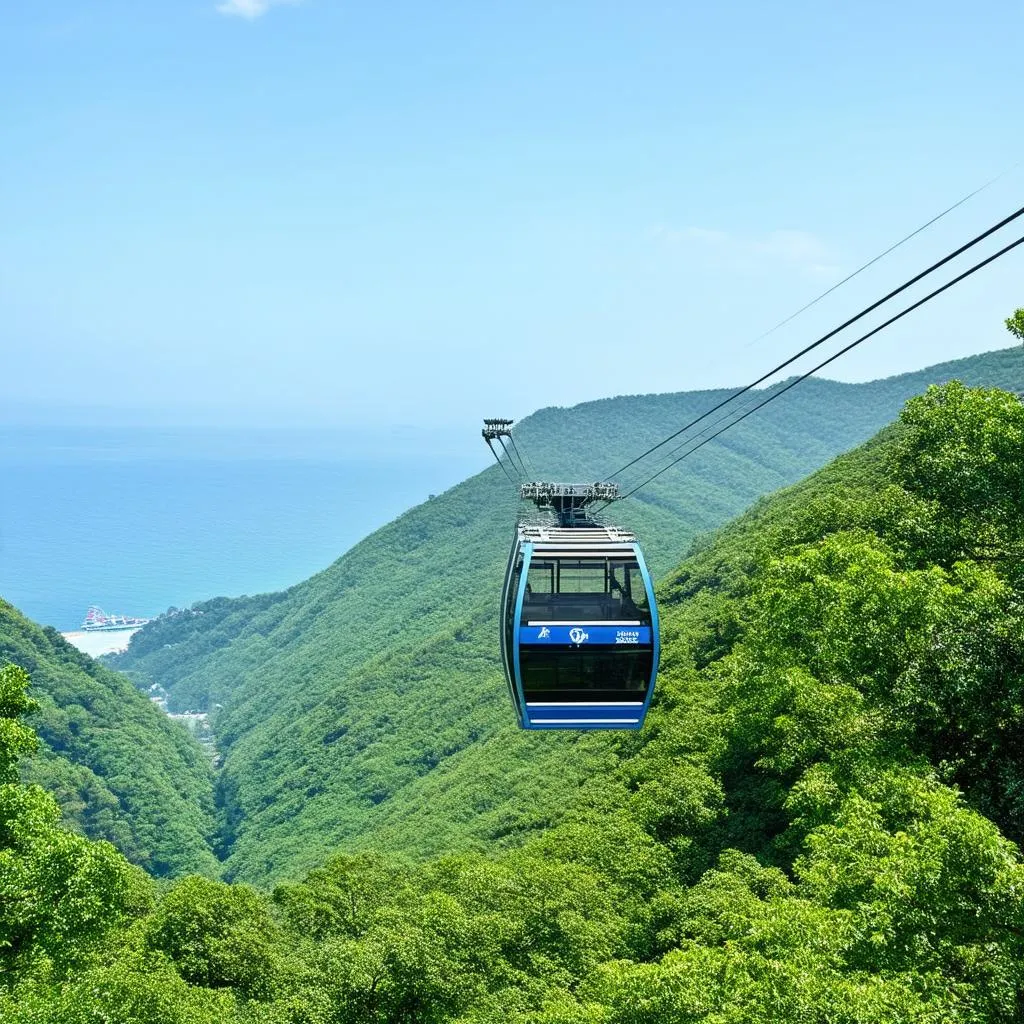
{"points": [[354, 698], [805, 831], [120, 769]]}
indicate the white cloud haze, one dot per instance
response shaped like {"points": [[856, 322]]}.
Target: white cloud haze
{"points": [[250, 8], [799, 249]]}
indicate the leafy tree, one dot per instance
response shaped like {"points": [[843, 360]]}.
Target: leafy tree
{"points": [[16, 739], [216, 935], [61, 895], [343, 897], [961, 452], [133, 989], [1015, 324]]}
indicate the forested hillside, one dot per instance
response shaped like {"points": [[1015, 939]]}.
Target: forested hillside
{"points": [[118, 767], [365, 706], [812, 827]]}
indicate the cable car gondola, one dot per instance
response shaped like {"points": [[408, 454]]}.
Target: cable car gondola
{"points": [[579, 636]]}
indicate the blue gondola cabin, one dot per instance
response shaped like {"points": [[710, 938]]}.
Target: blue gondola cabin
{"points": [[580, 628]]}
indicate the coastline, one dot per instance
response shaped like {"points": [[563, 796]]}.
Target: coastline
{"points": [[97, 643]]}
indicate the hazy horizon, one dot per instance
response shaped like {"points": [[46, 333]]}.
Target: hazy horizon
{"points": [[437, 436]]}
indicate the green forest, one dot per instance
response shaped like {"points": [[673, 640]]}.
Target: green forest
{"points": [[820, 821], [365, 709]]}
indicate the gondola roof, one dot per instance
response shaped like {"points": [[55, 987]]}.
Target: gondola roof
{"points": [[552, 535]]}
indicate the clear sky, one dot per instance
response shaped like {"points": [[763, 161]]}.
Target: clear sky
{"points": [[328, 212]]}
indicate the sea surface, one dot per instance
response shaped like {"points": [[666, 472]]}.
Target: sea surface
{"points": [[137, 521]]}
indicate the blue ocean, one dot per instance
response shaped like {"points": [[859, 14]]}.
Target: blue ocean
{"points": [[137, 521]]}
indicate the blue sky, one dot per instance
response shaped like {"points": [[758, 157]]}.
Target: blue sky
{"points": [[326, 212]]}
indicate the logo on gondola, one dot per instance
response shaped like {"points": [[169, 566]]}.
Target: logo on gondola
{"points": [[627, 636], [577, 635], [544, 633]]}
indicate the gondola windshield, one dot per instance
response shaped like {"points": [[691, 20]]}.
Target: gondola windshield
{"points": [[585, 630]]}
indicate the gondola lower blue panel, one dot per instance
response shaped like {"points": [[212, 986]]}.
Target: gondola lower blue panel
{"points": [[585, 716], [580, 628]]}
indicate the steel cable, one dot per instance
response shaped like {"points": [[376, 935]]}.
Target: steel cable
{"points": [[826, 337], [864, 337]]}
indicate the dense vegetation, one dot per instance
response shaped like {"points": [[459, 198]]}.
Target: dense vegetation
{"points": [[364, 708], [118, 767], [812, 828]]}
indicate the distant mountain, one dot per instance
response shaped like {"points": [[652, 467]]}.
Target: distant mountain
{"points": [[120, 769], [365, 706]]}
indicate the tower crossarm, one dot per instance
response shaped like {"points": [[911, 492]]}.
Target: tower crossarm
{"points": [[543, 492], [496, 428], [568, 501]]}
